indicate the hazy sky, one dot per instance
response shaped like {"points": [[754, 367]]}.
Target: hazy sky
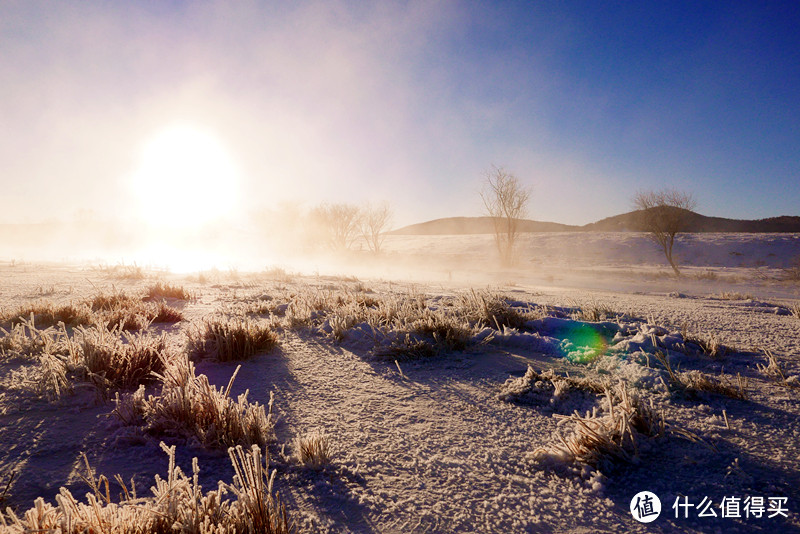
{"points": [[408, 102]]}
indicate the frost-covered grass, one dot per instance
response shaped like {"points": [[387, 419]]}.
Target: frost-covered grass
{"points": [[121, 310], [533, 383], [115, 359], [164, 290], [404, 324], [188, 406], [313, 450], [107, 359], [177, 504], [604, 440], [425, 445], [693, 382], [231, 339], [46, 314]]}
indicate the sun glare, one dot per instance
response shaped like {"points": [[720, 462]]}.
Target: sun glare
{"points": [[186, 179]]}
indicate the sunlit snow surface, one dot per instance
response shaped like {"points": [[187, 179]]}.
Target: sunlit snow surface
{"points": [[434, 449]]}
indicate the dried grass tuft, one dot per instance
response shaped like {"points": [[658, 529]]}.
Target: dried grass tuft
{"points": [[164, 290], [189, 406], [489, 309], [48, 314], [314, 450], [178, 504], [120, 310], [775, 371], [231, 339], [708, 344], [690, 383], [25, 339], [603, 441], [118, 360], [594, 312], [519, 389]]}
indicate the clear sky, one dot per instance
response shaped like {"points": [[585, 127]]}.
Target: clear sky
{"points": [[408, 102]]}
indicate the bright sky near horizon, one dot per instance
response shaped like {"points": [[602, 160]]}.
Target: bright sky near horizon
{"points": [[408, 102]]}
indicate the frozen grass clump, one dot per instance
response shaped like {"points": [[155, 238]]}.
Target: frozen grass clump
{"points": [[178, 504], [114, 359], [732, 295], [46, 314], [231, 339], [594, 312], [164, 290], [405, 347], [122, 271], [708, 344], [445, 331], [775, 370], [189, 407], [313, 450], [121, 310], [25, 339], [113, 300], [483, 308], [546, 387], [692, 383], [53, 377], [603, 441]]}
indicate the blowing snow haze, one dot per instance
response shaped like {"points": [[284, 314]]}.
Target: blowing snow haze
{"points": [[174, 119]]}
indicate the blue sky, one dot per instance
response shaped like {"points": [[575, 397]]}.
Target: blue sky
{"points": [[410, 102]]}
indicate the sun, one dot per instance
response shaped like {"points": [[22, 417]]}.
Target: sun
{"points": [[186, 178]]}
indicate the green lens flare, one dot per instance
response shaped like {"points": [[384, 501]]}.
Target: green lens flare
{"points": [[582, 344]]}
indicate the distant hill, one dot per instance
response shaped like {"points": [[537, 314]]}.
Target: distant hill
{"points": [[476, 225], [697, 223], [626, 222]]}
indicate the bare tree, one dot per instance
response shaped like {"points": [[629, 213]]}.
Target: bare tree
{"points": [[337, 225], [505, 199], [664, 214], [374, 222]]}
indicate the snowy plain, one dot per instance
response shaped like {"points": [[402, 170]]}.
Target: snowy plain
{"points": [[428, 445]]}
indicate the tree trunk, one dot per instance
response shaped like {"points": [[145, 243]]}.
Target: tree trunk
{"points": [[668, 253]]}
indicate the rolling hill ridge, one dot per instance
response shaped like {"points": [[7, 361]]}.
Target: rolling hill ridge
{"points": [[626, 222]]}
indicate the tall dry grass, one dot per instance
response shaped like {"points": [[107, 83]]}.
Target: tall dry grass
{"points": [[603, 441], [115, 359], [46, 314], [314, 450], [231, 339], [177, 504], [188, 406], [164, 290]]}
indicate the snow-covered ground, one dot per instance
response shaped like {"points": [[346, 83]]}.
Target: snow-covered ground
{"points": [[427, 445]]}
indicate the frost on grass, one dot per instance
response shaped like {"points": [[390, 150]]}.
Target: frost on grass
{"points": [[119, 309], [231, 339], [405, 325], [548, 388], [116, 359], [177, 504], [164, 290], [775, 370], [189, 407], [692, 383], [604, 440], [313, 450], [45, 314]]}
